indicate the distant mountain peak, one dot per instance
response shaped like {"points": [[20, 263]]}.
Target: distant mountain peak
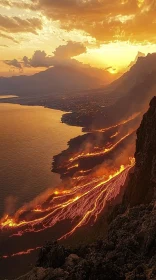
{"points": [[59, 78], [139, 54]]}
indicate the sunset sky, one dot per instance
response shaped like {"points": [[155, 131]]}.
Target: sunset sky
{"points": [[37, 34]]}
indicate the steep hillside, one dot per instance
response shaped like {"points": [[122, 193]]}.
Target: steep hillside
{"points": [[126, 96], [129, 251], [144, 66], [143, 182]]}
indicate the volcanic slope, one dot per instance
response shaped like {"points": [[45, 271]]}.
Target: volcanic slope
{"points": [[129, 251]]}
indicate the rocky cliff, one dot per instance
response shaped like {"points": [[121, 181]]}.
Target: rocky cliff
{"points": [[129, 251], [142, 185]]}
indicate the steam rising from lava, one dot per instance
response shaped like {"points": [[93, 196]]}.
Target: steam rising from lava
{"points": [[92, 149], [120, 123], [80, 203], [100, 152], [80, 200]]}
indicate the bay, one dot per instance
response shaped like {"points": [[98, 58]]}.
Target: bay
{"points": [[29, 138]]}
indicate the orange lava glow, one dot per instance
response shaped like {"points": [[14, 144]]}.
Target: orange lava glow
{"points": [[114, 135], [27, 252], [102, 151], [119, 124], [74, 166], [81, 205]]}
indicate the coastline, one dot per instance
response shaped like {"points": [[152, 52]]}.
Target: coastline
{"points": [[42, 152], [79, 144]]}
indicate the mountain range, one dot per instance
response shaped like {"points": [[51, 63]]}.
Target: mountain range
{"points": [[55, 80], [69, 78]]}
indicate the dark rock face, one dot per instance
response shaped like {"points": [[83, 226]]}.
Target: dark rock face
{"points": [[143, 182], [52, 255], [129, 251]]}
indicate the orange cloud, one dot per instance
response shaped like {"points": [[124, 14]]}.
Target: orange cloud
{"points": [[105, 20], [17, 24], [6, 36], [25, 4], [123, 20]]}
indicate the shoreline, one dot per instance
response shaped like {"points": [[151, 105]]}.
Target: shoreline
{"points": [[22, 102], [79, 144], [45, 153]]}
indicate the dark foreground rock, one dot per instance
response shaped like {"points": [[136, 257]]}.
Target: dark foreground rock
{"points": [[143, 183], [52, 255], [129, 251]]}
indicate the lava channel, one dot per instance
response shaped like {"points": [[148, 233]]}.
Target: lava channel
{"points": [[81, 205]]}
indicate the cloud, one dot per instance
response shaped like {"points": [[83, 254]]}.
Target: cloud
{"points": [[105, 20], [124, 20], [70, 50], [4, 46], [62, 56], [4, 3], [17, 24], [22, 4], [39, 59], [15, 63], [6, 36]]}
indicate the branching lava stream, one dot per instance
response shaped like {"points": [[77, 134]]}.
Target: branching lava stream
{"points": [[81, 205], [76, 206]]}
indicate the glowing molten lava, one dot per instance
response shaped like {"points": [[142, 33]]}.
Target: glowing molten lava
{"points": [[119, 124], [100, 152], [80, 205], [75, 207], [27, 252]]}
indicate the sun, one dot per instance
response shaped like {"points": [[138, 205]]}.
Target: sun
{"points": [[112, 71]]}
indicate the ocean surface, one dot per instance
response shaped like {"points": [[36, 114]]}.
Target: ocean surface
{"points": [[29, 138]]}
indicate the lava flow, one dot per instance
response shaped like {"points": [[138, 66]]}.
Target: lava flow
{"points": [[100, 152], [119, 124], [27, 252], [80, 205]]}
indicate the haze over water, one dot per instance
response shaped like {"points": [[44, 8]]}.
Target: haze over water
{"points": [[30, 137]]}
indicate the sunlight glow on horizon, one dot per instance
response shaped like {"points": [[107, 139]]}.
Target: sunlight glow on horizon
{"points": [[50, 34], [116, 55]]}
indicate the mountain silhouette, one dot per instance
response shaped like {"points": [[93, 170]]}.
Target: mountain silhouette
{"points": [[54, 80]]}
